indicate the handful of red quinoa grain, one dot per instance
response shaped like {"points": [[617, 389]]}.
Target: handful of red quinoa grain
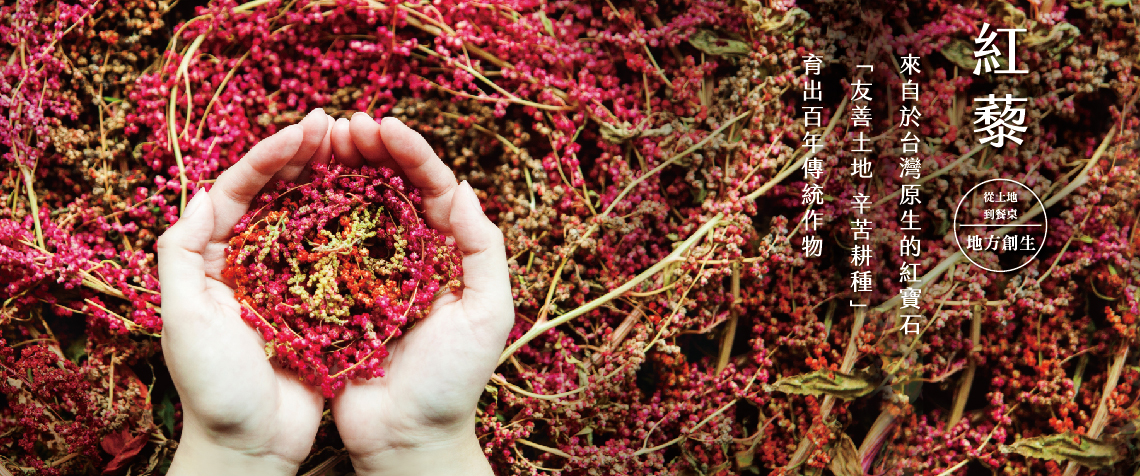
{"points": [[331, 270]]}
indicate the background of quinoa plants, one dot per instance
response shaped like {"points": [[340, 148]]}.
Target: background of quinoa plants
{"points": [[614, 142]]}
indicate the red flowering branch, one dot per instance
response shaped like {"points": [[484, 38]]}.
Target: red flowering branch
{"points": [[1101, 419]]}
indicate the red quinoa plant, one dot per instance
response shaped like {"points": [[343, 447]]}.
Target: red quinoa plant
{"points": [[643, 160]]}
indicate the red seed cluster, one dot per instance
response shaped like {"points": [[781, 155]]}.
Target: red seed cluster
{"points": [[331, 270]]}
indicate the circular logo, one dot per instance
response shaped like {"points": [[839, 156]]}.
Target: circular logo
{"points": [[1001, 220]]}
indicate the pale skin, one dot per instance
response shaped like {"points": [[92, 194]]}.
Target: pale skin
{"points": [[245, 415]]}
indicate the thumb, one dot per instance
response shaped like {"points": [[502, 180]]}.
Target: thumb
{"points": [[181, 268], [486, 283]]}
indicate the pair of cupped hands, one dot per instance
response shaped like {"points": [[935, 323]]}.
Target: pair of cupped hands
{"points": [[245, 415]]}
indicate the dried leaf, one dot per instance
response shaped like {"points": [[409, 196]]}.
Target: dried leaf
{"points": [[744, 457], [165, 414], [792, 21], [77, 350], [710, 43], [546, 23], [1088, 452], [123, 447], [961, 53], [845, 458], [826, 382], [1016, 16], [1060, 36]]}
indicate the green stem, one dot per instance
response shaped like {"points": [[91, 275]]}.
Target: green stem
{"points": [[183, 69], [799, 163], [1101, 418], [971, 367], [218, 92], [548, 325], [33, 203], [628, 188], [934, 175], [1081, 179]]}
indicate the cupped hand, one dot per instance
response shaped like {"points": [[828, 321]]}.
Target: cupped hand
{"points": [[242, 414], [420, 417]]}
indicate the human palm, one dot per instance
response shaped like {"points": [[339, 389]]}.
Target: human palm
{"points": [[437, 370], [237, 405]]}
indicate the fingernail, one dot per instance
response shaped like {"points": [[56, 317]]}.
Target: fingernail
{"points": [[394, 119], [472, 199], [321, 109], [194, 206]]}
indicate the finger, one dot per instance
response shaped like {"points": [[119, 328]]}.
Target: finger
{"points": [[238, 185], [323, 154], [343, 148], [366, 136], [315, 127], [181, 268], [486, 284], [423, 168]]}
